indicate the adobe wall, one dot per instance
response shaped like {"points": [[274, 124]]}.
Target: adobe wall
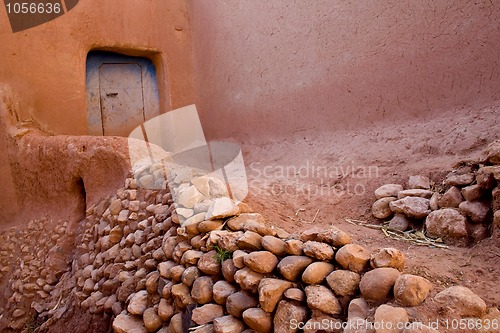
{"points": [[271, 68], [45, 65]]}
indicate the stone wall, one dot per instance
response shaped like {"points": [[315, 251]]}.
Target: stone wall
{"points": [[208, 264]]}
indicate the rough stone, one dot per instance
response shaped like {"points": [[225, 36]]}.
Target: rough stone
{"points": [[377, 284], [189, 197], [152, 321], [472, 192], [476, 211], [240, 301], [388, 190], [273, 245], [125, 323], [381, 208], [358, 308], [411, 290], [228, 324], [261, 261], [415, 207], [317, 250], [387, 257], [399, 222], [258, 320], [451, 198], [271, 292], [343, 282], [208, 263], [138, 303], [462, 301], [292, 267], [446, 223], [353, 257], [419, 182], [455, 179], [287, 312], [294, 247], [222, 290], [207, 313], [390, 318], [316, 272], [222, 208], [415, 193], [250, 241], [321, 298], [247, 279], [228, 270], [295, 294], [333, 236], [202, 291]]}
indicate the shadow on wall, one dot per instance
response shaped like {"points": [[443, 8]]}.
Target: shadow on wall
{"points": [[56, 177]]}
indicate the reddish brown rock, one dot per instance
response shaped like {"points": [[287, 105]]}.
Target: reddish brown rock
{"points": [[261, 261], [381, 209], [411, 290], [271, 292], [209, 264], [353, 257], [316, 272], [476, 211], [222, 290], [202, 291], [390, 318], [288, 315], [414, 207], [462, 301], [152, 321], [343, 282], [274, 245], [205, 314], [419, 182], [294, 247], [228, 324], [293, 266], [250, 241], [446, 223], [321, 298], [258, 320], [333, 236], [388, 190], [387, 257], [228, 270], [317, 250], [377, 284], [248, 279], [240, 301]]}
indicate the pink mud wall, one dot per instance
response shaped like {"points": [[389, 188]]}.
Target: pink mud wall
{"points": [[271, 68], [45, 65]]}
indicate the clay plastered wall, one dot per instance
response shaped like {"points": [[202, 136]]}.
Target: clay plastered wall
{"points": [[276, 67], [45, 65]]}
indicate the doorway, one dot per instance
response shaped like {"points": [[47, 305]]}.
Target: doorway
{"points": [[122, 93]]}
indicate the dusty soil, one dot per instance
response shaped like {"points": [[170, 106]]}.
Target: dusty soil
{"points": [[296, 199]]}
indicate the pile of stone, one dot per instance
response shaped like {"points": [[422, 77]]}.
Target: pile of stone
{"points": [[216, 266], [460, 210]]}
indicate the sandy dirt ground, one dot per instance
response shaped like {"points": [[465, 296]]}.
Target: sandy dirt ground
{"points": [[289, 186]]}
